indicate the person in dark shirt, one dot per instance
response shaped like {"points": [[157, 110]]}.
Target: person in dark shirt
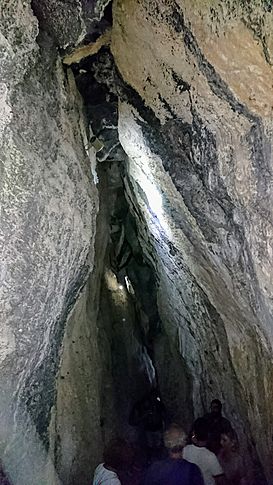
{"points": [[217, 425], [174, 470], [148, 415], [149, 412]]}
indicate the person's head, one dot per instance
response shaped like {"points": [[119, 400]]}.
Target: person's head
{"points": [[229, 440], [200, 431], [216, 407], [117, 454], [175, 439]]}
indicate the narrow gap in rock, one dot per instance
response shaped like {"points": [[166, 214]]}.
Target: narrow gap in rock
{"points": [[140, 348], [136, 189]]}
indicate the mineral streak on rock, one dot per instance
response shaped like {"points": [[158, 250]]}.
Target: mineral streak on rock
{"points": [[180, 285], [197, 128], [88, 50]]}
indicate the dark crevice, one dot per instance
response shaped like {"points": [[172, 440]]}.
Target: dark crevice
{"points": [[126, 257], [189, 155], [101, 86]]}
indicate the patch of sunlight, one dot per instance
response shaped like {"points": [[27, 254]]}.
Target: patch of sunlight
{"points": [[155, 202]]}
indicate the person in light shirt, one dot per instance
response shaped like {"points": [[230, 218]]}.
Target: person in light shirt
{"points": [[205, 459], [117, 455], [173, 470]]}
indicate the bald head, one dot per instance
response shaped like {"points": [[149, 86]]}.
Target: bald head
{"points": [[175, 439]]}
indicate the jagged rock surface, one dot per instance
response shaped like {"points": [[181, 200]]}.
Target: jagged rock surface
{"points": [[195, 120], [197, 128], [70, 22], [48, 211]]}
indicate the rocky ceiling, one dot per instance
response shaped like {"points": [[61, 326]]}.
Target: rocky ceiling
{"points": [[136, 224]]}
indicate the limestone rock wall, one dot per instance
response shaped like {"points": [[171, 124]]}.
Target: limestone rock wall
{"points": [[196, 123], [195, 120], [105, 367], [76, 437], [48, 211]]}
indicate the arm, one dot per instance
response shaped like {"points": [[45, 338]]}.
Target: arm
{"points": [[113, 481], [217, 471], [220, 479]]}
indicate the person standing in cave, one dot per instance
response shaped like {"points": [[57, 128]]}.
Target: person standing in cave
{"points": [[206, 460], [117, 457], [174, 470], [149, 416], [217, 425], [231, 461]]}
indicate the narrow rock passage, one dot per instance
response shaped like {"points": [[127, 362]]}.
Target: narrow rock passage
{"points": [[140, 352], [135, 226]]}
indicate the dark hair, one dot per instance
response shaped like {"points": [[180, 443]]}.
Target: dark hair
{"points": [[116, 453], [232, 435], [218, 402], [201, 429]]}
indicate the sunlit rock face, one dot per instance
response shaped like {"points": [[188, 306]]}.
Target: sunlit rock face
{"points": [[197, 128], [48, 210]]}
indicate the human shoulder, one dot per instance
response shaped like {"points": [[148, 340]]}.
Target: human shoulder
{"points": [[214, 464], [189, 452], [211, 456], [197, 450], [188, 448], [154, 472], [107, 476], [157, 466], [99, 469]]}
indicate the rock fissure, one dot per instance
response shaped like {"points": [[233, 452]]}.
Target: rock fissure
{"points": [[136, 225]]}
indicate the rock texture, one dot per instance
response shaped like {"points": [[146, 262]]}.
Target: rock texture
{"points": [[69, 23], [76, 438], [176, 286], [48, 210], [105, 366], [196, 123], [75, 431]]}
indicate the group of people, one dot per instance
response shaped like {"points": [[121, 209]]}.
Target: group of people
{"points": [[208, 455]]}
